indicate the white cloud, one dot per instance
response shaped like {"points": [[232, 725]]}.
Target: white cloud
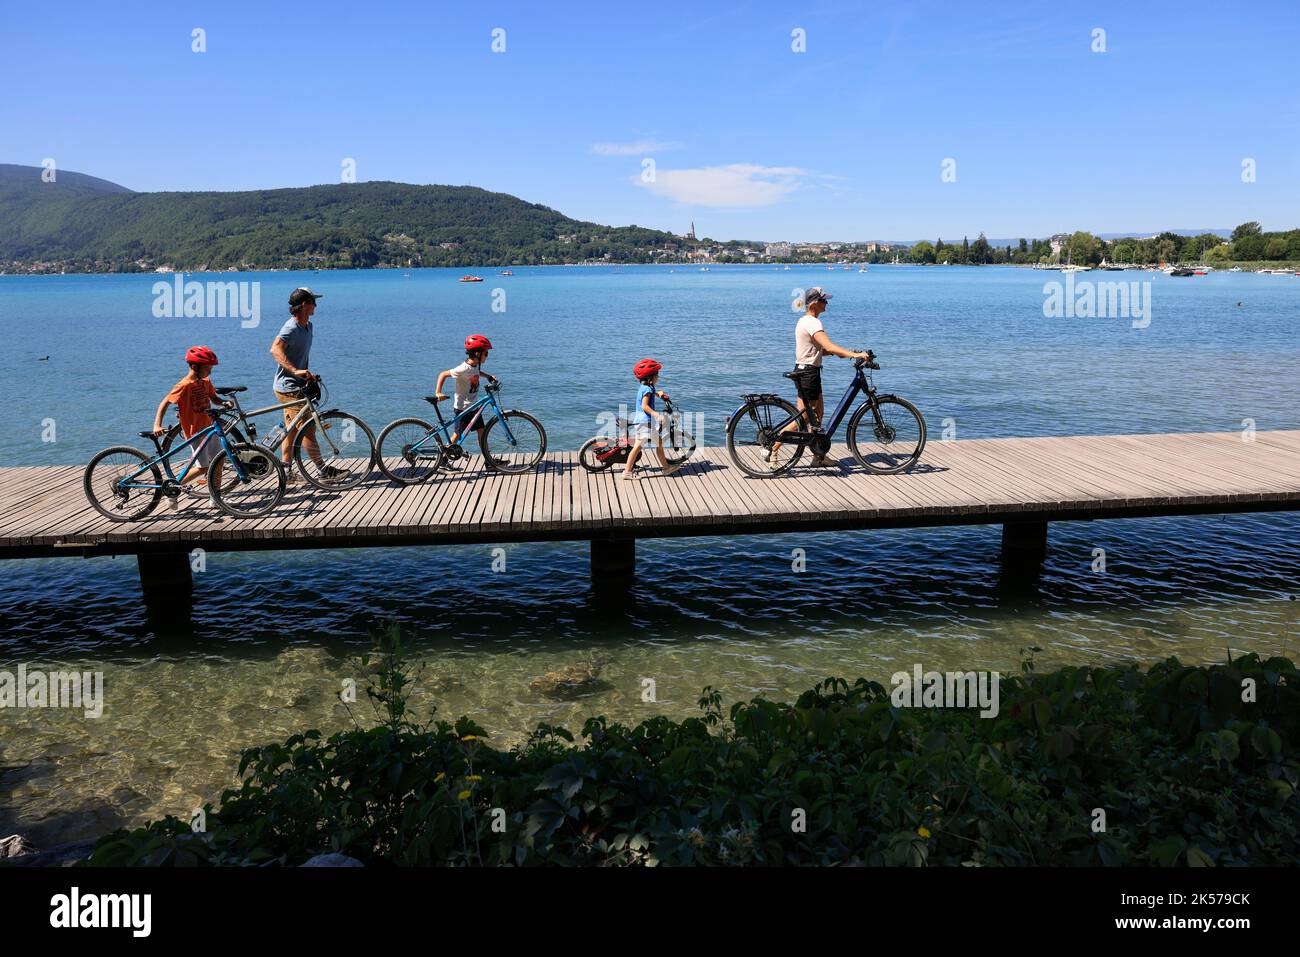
{"points": [[639, 148], [737, 186]]}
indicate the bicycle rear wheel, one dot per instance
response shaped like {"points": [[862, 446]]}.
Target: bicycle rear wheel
{"points": [[409, 451], [752, 437], [891, 443], [513, 443], [118, 486], [347, 452], [257, 492], [592, 449]]}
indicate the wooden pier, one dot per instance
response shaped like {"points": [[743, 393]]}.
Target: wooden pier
{"points": [[1021, 484]]}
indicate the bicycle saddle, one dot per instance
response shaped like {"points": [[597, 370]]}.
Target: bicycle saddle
{"points": [[231, 390]]}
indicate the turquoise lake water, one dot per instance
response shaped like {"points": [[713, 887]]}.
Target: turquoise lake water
{"points": [[273, 635]]}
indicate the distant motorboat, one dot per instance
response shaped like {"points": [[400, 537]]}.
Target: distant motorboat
{"points": [[1181, 271], [471, 278], [1235, 269], [507, 273]]}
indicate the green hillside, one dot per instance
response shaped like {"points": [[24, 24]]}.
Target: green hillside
{"points": [[83, 223]]}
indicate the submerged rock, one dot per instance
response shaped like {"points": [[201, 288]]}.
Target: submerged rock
{"points": [[15, 844], [569, 681]]}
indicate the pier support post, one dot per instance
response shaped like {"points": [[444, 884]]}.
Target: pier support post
{"points": [[1024, 547], [166, 581], [613, 564]]}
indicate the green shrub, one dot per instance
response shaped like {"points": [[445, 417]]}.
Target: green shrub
{"points": [[1184, 770]]}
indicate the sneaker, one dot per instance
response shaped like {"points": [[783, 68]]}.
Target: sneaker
{"points": [[772, 459], [291, 476], [330, 474], [631, 475]]}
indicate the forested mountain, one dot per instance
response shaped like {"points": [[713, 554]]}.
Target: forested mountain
{"points": [[83, 223]]}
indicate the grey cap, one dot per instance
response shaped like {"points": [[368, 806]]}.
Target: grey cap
{"points": [[816, 294]]}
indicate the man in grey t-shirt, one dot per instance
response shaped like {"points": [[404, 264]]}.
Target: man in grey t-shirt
{"points": [[291, 350]]}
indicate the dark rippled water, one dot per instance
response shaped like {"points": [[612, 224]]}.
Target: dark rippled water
{"points": [[274, 635]]}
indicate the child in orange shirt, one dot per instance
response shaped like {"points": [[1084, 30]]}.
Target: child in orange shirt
{"points": [[193, 396]]}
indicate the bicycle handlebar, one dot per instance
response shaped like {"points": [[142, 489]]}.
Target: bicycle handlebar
{"points": [[870, 361]]}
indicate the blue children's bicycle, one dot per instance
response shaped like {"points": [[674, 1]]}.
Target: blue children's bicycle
{"points": [[244, 480], [411, 450]]}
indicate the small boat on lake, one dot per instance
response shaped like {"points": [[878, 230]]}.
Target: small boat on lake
{"points": [[507, 273], [471, 279], [1180, 271]]}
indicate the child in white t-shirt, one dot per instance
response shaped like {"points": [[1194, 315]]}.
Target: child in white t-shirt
{"points": [[465, 378]]}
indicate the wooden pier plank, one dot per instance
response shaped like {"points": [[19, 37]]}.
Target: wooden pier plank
{"points": [[43, 510]]}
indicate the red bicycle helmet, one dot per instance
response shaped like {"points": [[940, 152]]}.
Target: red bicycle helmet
{"points": [[646, 367], [475, 342], [202, 355]]}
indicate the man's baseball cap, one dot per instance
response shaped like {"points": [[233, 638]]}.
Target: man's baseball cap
{"points": [[816, 294], [303, 294]]}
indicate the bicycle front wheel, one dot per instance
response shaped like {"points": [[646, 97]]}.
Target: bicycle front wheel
{"points": [[409, 451], [346, 451], [753, 437], [122, 483], [889, 440], [250, 487], [515, 442], [679, 445]]}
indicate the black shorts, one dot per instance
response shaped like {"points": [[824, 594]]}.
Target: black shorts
{"points": [[462, 420], [809, 383]]}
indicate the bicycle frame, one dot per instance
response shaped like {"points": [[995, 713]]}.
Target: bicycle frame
{"points": [[860, 385], [668, 430], [299, 421], [199, 440], [445, 428]]}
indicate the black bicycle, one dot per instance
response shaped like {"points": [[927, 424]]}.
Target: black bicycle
{"points": [[767, 435]]}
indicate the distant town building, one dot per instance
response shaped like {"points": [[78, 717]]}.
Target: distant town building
{"points": [[778, 250]]}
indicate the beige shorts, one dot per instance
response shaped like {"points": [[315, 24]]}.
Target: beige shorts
{"points": [[291, 413]]}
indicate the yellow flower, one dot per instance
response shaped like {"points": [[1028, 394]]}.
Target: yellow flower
{"points": [[923, 831], [470, 737], [474, 777], [464, 795], [441, 775]]}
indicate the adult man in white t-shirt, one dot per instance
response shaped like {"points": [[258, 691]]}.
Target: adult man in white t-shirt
{"points": [[811, 343]]}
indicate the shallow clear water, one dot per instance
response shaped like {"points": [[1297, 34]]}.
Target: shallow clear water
{"points": [[274, 635]]}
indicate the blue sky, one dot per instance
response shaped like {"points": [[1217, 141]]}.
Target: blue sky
{"points": [[749, 138]]}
